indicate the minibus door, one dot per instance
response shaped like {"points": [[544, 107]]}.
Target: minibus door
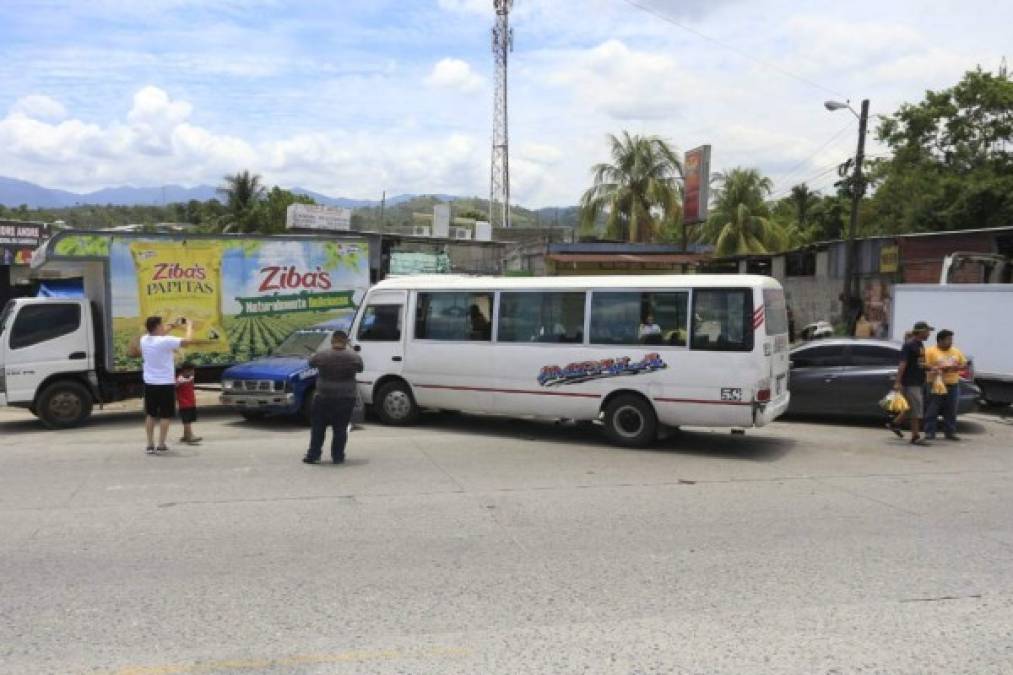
{"points": [[379, 337]]}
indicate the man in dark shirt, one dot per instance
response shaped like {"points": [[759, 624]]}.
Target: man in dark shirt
{"points": [[911, 382], [335, 397]]}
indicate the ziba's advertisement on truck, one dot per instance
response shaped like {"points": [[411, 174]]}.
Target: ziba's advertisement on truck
{"points": [[241, 296]]}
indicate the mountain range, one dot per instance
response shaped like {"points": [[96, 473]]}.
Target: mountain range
{"points": [[14, 193]]}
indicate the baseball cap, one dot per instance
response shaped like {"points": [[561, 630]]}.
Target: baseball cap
{"points": [[922, 325]]}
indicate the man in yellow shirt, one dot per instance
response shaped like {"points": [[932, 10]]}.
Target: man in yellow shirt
{"points": [[944, 361]]}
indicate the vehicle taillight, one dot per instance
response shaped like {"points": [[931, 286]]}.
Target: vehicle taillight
{"points": [[763, 391]]}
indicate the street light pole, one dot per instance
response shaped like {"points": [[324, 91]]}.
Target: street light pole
{"points": [[849, 293]]}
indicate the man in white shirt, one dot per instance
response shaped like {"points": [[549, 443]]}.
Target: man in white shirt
{"points": [[157, 350]]}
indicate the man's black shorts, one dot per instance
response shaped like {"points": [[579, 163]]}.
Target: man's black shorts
{"points": [[160, 400], [188, 415]]}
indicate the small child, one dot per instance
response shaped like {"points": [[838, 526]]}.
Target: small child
{"points": [[186, 398]]}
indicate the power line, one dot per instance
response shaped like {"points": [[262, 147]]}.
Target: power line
{"points": [[790, 173], [735, 50]]}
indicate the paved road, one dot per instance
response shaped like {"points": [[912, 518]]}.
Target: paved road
{"points": [[480, 545]]}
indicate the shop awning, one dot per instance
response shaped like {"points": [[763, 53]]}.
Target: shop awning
{"points": [[644, 259]]}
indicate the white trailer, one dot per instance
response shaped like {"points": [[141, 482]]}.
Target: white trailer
{"points": [[981, 317]]}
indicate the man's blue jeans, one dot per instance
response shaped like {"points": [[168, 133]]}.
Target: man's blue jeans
{"points": [[334, 413], [946, 404]]}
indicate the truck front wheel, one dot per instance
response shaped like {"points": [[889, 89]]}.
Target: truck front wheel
{"points": [[63, 405]]}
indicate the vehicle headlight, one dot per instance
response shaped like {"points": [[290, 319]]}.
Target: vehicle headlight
{"points": [[228, 384]]}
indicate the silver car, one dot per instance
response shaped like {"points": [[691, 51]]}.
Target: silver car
{"points": [[848, 377]]}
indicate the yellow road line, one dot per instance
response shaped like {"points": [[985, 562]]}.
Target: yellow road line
{"points": [[353, 656]]}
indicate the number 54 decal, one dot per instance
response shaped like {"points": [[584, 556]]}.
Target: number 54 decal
{"points": [[730, 394]]}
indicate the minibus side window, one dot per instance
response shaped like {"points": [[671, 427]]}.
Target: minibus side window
{"points": [[380, 323], [640, 318], [456, 316], [722, 319], [542, 317], [776, 311]]}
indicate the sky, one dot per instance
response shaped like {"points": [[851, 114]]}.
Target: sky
{"points": [[353, 98]]}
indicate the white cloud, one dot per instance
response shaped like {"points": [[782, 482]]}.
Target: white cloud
{"points": [[157, 143], [39, 107], [624, 83], [454, 74]]}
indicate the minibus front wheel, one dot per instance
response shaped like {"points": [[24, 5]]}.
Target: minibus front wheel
{"points": [[630, 421], [394, 403]]}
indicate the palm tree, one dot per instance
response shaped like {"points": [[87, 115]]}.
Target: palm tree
{"points": [[242, 192], [740, 221], [638, 192], [804, 201]]}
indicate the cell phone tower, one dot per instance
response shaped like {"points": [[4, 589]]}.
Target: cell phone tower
{"points": [[499, 184]]}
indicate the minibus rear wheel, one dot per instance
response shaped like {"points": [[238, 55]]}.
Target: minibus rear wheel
{"points": [[630, 421], [395, 404]]}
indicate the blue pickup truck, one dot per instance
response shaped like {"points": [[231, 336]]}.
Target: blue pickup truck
{"points": [[283, 383]]}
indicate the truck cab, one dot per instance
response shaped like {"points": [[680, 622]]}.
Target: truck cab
{"points": [[48, 359], [282, 384]]}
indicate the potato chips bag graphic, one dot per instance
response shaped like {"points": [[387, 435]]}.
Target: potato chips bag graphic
{"points": [[179, 281]]}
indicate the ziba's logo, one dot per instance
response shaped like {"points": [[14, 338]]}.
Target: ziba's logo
{"points": [[175, 271], [277, 278]]}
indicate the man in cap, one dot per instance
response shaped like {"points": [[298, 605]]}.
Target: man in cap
{"points": [[911, 382]]}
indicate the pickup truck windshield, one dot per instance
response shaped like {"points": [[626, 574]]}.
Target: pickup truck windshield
{"points": [[302, 343]]}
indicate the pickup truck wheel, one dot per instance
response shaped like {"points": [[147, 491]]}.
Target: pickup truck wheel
{"points": [[395, 405], [64, 405], [630, 421]]}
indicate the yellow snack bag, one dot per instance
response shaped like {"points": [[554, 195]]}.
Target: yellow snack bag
{"points": [[938, 386], [181, 282]]}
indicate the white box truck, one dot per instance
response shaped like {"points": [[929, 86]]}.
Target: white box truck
{"points": [[981, 317], [60, 356]]}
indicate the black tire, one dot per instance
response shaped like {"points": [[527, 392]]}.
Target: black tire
{"points": [[306, 411], [394, 404], [64, 405], [630, 421], [252, 415]]}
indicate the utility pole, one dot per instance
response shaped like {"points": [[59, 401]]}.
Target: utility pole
{"points": [[499, 183], [857, 191], [383, 204]]}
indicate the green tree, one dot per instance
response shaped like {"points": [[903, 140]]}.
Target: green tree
{"points": [[268, 215], [740, 221], [638, 193], [243, 191], [951, 165]]}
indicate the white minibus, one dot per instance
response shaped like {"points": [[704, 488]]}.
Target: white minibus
{"points": [[634, 352]]}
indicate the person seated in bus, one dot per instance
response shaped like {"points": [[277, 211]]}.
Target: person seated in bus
{"points": [[481, 328], [650, 331], [676, 338]]}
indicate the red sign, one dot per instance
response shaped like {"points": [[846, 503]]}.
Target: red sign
{"points": [[696, 186]]}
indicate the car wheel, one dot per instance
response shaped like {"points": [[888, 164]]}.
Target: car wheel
{"points": [[395, 405], [630, 421], [64, 405]]}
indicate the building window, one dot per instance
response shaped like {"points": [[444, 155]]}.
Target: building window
{"points": [[800, 263]]}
